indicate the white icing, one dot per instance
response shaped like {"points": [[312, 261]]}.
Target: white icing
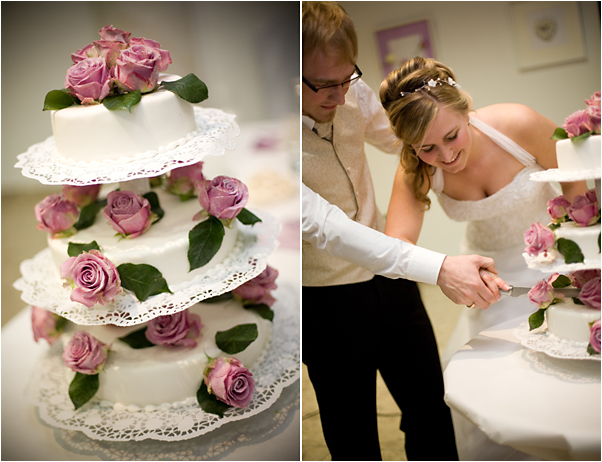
{"points": [[164, 245], [579, 155], [160, 377], [92, 133], [568, 321], [586, 237]]}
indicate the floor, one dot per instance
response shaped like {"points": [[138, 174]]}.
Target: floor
{"points": [[443, 314]]}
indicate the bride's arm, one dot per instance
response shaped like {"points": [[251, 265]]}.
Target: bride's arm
{"points": [[405, 214]]}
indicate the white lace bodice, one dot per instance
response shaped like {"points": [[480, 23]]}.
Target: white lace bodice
{"points": [[499, 221]]}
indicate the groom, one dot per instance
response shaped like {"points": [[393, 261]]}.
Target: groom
{"points": [[356, 323]]}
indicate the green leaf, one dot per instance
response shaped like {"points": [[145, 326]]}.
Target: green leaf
{"points": [[57, 99], [559, 134], [561, 281], [263, 310], [581, 137], [219, 298], [554, 226], [209, 403], [82, 388], [87, 215], [569, 250], [189, 88], [591, 350], [144, 280], [137, 339], [153, 200], [74, 249], [204, 241], [536, 319], [121, 102], [247, 218], [238, 338], [577, 301]]}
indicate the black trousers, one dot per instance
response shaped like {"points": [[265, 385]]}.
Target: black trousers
{"points": [[350, 332]]}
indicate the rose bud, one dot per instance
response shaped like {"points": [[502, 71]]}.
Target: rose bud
{"points": [[184, 180], [258, 290], [178, 329], [542, 294], [557, 209], [45, 325], [85, 353], [81, 195], [539, 239], [128, 213], [94, 278], [594, 339], [230, 381], [583, 212], [590, 293], [89, 80], [223, 197], [56, 215], [165, 60], [137, 68]]}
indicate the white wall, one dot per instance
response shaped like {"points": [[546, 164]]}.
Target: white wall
{"points": [[476, 40], [246, 52]]}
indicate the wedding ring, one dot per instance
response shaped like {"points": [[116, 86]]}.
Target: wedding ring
{"points": [[471, 306]]}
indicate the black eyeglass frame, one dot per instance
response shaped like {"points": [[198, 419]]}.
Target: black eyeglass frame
{"points": [[315, 90]]}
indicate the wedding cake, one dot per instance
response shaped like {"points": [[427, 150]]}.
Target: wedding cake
{"points": [[569, 246], [154, 288]]}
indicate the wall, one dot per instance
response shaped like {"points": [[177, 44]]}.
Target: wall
{"points": [[246, 52], [476, 39]]}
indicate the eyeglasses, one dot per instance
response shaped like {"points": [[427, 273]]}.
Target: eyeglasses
{"points": [[332, 88]]}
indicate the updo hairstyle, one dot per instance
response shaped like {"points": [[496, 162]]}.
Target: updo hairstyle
{"points": [[411, 115]]}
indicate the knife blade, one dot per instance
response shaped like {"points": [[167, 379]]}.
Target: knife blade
{"points": [[522, 291]]}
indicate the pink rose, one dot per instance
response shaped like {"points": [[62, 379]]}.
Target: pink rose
{"points": [[183, 181], [583, 212], [94, 278], [579, 278], [89, 80], [179, 329], [112, 34], [258, 290], [593, 108], [582, 121], [89, 51], [56, 215], [223, 197], [81, 195], [539, 239], [594, 339], [165, 56], [137, 68], [45, 325], [230, 381], [128, 213], [592, 196], [557, 209], [590, 293], [85, 353], [542, 294]]}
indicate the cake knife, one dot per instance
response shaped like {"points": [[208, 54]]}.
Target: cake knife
{"points": [[522, 291]]}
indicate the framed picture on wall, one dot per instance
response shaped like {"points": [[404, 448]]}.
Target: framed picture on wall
{"points": [[399, 44], [547, 33]]}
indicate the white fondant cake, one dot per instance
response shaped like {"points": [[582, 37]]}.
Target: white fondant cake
{"points": [[585, 237], [578, 155], [161, 120], [157, 375], [164, 245], [568, 321]]}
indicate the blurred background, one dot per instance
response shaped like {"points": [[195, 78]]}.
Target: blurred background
{"points": [[246, 52]]}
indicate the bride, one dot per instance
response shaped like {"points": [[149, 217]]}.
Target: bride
{"points": [[478, 163]]}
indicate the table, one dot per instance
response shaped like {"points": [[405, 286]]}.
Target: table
{"points": [[263, 152], [511, 403]]}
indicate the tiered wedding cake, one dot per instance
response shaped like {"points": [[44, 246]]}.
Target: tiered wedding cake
{"points": [[569, 247], [154, 289]]}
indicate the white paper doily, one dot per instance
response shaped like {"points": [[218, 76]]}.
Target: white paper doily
{"points": [[41, 286], [281, 367], [216, 131], [542, 341]]}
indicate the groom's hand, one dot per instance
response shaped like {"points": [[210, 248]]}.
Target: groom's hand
{"points": [[461, 281]]}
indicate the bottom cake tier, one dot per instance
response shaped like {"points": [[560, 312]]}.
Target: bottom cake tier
{"points": [[570, 322]]}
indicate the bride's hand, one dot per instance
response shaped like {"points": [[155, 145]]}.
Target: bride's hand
{"points": [[461, 281]]}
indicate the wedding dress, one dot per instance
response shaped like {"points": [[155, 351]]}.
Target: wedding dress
{"points": [[495, 229]]}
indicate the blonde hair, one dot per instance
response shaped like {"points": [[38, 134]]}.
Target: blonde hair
{"points": [[328, 28], [412, 114]]}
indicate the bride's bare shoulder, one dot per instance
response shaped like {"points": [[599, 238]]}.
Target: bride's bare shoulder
{"points": [[506, 115]]}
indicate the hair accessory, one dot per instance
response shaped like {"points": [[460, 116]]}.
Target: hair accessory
{"points": [[432, 83]]}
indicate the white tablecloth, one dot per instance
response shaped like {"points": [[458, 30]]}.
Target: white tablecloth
{"points": [[511, 403]]}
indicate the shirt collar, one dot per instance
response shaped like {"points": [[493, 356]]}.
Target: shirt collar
{"points": [[308, 121]]}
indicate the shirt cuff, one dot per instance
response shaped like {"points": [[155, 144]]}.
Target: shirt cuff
{"points": [[424, 265]]}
